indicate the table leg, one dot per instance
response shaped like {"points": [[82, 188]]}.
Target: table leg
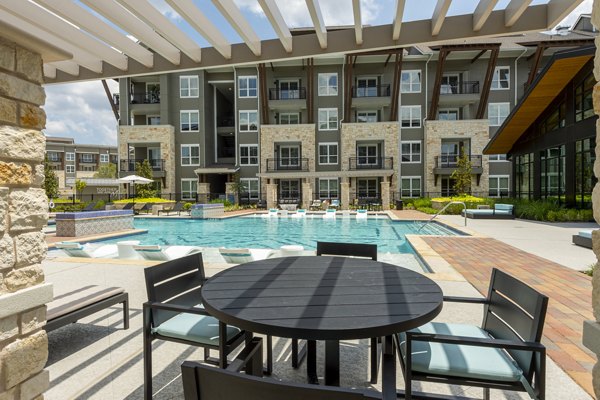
{"points": [[388, 368], [332, 362], [311, 361]]}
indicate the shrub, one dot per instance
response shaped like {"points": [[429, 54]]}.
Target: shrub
{"points": [[144, 200], [226, 203], [187, 206], [428, 210], [100, 205]]}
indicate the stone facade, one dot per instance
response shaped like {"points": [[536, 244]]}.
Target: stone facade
{"points": [[164, 135], [474, 131], [23, 213]]}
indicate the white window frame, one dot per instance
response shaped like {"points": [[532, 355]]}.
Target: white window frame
{"points": [[247, 78], [87, 157], [190, 157], [411, 118], [498, 189], [413, 157], [70, 169], [104, 158], [412, 187], [496, 158], [288, 115], [69, 156], [328, 90], [248, 157], [192, 194], [497, 118], [53, 156], [148, 117], [329, 180], [329, 156], [247, 113], [366, 114], [326, 122], [252, 194], [189, 113], [410, 84], [189, 79], [448, 111], [496, 82]]}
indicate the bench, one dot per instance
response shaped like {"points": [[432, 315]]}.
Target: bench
{"points": [[70, 307], [583, 238], [500, 211]]}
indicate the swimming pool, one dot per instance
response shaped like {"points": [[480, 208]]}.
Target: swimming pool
{"points": [[272, 233]]}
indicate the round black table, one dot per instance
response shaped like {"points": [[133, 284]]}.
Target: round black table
{"points": [[322, 298]]}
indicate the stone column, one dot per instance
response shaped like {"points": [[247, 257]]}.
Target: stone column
{"points": [[307, 193], [203, 192], [385, 194], [271, 195], [345, 193], [23, 213], [231, 192]]}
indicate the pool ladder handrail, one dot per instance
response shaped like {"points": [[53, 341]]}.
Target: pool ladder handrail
{"points": [[444, 209]]}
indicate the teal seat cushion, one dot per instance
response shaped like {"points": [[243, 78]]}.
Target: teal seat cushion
{"points": [[503, 207], [202, 329], [460, 360]]}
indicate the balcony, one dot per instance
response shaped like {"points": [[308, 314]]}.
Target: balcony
{"points": [[287, 164], [286, 99], [85, 160], [144, 98], [459, 94], [371, 96], [370, 163], [158, 166], [446, 164]]}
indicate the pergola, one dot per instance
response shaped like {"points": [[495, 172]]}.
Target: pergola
{"points": [[77, 44]]}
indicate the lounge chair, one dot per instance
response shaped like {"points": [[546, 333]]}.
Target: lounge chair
{"points": [[272, 212], [240, 256], [90, 207], [158, 253], [76, 249], [261, 204], [300, 213], [361, 214], [147, 207], [128, 206], [329, 213], [315, 205], [583, 238], [178, 208], [500, 211], [335, 203]]}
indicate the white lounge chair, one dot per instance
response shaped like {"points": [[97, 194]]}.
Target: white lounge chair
{"points": [[300, 213], [76, 249], [329, 213], [361, 214], [158, 253], [335, 203], [240, 256]]}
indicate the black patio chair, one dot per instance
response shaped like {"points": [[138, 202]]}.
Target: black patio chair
{"points": [[146, 208], [505, 353], [178, 208], [90, 207], [128, 206]]}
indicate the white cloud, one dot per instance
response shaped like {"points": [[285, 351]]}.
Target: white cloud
{"points": [[81, 111], [166, 10]]}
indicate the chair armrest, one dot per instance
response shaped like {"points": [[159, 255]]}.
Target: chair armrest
{"points": [[473, 300], [250, 358], [175, 307], [480, 342]]}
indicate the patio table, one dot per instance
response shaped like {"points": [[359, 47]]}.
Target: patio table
{"points": [[322, 298]]}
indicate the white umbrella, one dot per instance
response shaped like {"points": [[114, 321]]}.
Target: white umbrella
{"points": [[136, 180]]}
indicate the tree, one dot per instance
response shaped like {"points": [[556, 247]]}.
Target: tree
{"points": [[462, 174], [107, 171], [50, 180], [144, 169], [80, 186]]}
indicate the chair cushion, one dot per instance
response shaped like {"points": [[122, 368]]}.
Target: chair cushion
{"points": [[586, 233], [503, 207], [201, 329], [460, 360]]}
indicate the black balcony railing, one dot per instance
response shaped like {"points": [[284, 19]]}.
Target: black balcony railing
{"points": [[287, 164], [129, 165], [367, 162], [371, 91], [451, 161], [466, 87], [287, 94], [55, 159], [145, 98], [88, 160]]}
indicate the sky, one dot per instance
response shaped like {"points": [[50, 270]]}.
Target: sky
{"points": [[82, 111]]}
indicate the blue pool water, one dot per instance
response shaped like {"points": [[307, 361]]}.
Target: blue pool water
{"points": [[272, 233]]}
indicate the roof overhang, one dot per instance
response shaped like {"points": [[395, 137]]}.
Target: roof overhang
{"points": [[559, 71]]}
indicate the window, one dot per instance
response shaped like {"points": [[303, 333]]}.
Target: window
{"points": [[70, 156], [410, 116], [366, 87], [411, 152], [328, 119], [501, 79], [53, 156], [248, 121], [250, 187], [153, 120], [499, 185], [289, 156], [289, 118], [367, 154], [411, 82], [328, 153], [448, 114], [366, 116], [104, 158], [70, 169], [188, 86], [555, 120], [328, 188], [328, 84], [249, 154], [190, 154], [247, 86], [585, 155], [497, 113], [188, 121], [553, 168], [289, 189], [411, 186], [524, 175], [189, 188], [87, 158], [584, 107], [367, 188], [498, 157], [289, 90]]}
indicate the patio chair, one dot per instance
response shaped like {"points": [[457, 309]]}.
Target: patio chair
{"points": [[178, 208], [315, 205], [240, 256], [335, 203], [90, 207], [147, 207], [128, 206], [76, 249], [505, 353], [158, 253]]}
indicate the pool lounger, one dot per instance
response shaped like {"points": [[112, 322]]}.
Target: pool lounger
{"points": [[300, 213], [329, 213], [361, 214], [158, 253], [240, 256], [583, 238], [500, 211], [76, 249]]}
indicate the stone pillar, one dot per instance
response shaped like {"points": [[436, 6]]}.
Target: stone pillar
{"points": [[231, 192], [345, 193], [307, 193], [203, 192], [271, 195], [385, 194], [23, 213]]}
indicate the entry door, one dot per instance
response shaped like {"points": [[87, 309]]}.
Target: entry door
{"points": [[154, 157], [289, 156], [450, 153], [366, 87], [450, 84], [367, 154], [289, 90]]}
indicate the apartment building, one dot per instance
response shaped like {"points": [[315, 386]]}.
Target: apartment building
{"points": [[373, 126], [72, 161]]}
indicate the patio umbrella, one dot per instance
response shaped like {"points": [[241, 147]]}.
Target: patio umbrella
{"points": [[136, 180]]}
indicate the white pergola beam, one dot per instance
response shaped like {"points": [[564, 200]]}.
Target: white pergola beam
{"points": [[236, 19], [357, 21], [94, 25], [188, 11], [130, 23], [514, 10], [161, 24], [317, 18], [482, 13], [559, 9], [276, 19], [49, 71], [69, 67], [439, 15], [398, 19], [51, 24]]}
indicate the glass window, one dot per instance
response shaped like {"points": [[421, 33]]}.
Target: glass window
{"points": [[584, 107], [289, 189], [104, 158], [53, 156], [289, 90], [552, 164], [249, 154], [368, 188], [88, 158], [366, 116], [498, 157], [70, 156], [250, 187], [410, 116], [248, 121], [188, 86], [289, 118], [411, 82], [328, 153], [367, 154], [524, 175], [189, 121], [328, 84], [499, 185], [497, 113], [585, 180], [189, 188], [411, 186], [501, 79], [366, 87], [70, 169], [411, 152], [190, 154], [289, 156], [153, 120], [328, 119], [247, 86], [328, 188], [448, 114]]}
